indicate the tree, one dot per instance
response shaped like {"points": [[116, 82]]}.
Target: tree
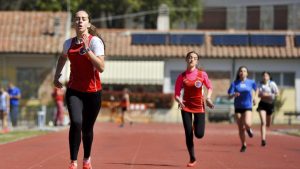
{"points": [[279, 102], [180, 10]]}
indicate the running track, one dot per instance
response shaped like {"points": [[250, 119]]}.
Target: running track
{"points": [[155, 146]]}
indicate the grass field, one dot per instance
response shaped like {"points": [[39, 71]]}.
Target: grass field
{"points": [[19, 135], [293, 132]]}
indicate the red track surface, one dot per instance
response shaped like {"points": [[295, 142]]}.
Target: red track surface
{"points": [[155, 146]]}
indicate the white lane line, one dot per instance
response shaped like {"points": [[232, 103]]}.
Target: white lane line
{"points": [[136, 153], [40, 163]]}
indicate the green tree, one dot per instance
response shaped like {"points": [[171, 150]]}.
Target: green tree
{"points": [[279, 102], [39, 5], [180, 10]]}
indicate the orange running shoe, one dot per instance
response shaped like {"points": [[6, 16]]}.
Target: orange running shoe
{"points": [[87, 165], [73, 166], [191, 164]]}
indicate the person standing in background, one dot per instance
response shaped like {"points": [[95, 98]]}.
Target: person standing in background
{"points": [[15, 96], [125, 105], [4, 109], [58, 96]]}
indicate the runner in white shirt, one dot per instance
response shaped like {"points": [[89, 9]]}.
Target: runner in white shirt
{"points": [[268, 91]]}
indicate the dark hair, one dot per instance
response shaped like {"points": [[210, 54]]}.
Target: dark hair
{"points": [[192, 52], [268, 73], [198, 56], [92, 29], [238, 72]]}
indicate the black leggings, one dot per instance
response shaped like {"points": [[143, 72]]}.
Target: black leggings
{"points": [[199, 127], [83, 110]]}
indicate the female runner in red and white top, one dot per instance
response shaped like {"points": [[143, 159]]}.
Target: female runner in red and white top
{"points": [[192, 103], [83, 97]]}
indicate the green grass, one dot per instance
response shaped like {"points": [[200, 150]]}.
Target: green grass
{"points": [[18, 135], [294, 132]]}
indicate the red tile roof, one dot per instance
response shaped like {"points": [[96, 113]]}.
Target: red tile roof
{"points": [[31, 32], [118, 44]]}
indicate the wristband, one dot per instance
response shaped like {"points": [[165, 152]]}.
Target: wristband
{"points": [[87, 49]]}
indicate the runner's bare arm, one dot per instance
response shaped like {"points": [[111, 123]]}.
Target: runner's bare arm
{"points": [[60, 65]]}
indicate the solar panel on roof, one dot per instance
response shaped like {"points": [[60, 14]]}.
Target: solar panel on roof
{"points": [[186, 39], [267, 40], [148, 39], [297, 40], [230, 40]]}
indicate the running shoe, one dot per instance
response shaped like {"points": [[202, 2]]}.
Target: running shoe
{"points": [[243, 148], [250, 132], [73, 166], [191, 164], [263, 143], [86, 165]]}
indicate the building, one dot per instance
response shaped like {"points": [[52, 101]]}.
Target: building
{"points": [[149, 60], [222, 52], [251, 15], [30, 43]]}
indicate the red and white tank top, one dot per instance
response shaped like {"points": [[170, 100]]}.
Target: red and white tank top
{"points": [[84, 76]]}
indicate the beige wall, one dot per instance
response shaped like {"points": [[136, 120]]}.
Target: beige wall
{"points": [[11, 62], [289, 94]]}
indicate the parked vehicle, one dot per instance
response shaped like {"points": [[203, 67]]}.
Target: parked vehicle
{"points": [[223, 110]]}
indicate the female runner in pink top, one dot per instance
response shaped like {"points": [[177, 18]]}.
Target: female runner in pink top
{"points": [[192, 81]]}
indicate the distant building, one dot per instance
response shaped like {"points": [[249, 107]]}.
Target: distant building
{"points": [[251, 15], [149, 60], [30, 43], [152, 60]]}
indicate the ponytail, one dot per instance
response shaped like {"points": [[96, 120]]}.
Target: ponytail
{"points": [[93, 31]]}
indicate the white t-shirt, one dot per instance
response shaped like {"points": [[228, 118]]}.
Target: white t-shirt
{"points": [[96, 45], [271, 88], [3, 101]]}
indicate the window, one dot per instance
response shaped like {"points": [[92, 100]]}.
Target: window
{"points": [[251, 75], [280, 17], [29, 80], [289, 79], [257, 76], [253, 17], [213, 18], [173, 76], [276, 78], [286, 79]]}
